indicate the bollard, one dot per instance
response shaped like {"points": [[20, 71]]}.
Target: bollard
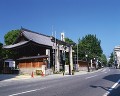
{"points": [[32, 75], [63, 73], [73, 72], [42, 74]]}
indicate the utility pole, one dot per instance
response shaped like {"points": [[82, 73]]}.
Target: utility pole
{"points": [[87, 62], [55, 53], [77, 54]]}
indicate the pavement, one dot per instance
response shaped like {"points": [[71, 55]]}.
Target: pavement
{"points": [[10, 77], [96, 83]]}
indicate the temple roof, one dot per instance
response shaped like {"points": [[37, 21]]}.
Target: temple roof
{"points": [[31, 36], [36, 38]]}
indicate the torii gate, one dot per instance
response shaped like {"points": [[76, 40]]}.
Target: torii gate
{"points": [[61, 45]]}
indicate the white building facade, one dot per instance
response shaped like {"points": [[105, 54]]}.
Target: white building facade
{"points": [[117, 56]]}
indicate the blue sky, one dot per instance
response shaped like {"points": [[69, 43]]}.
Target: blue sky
{"points": [[76, 18]]}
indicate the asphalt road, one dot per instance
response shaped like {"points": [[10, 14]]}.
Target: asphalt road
{"points": [[100, 83]]}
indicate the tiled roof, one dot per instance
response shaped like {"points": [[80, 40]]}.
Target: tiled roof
{"points": [[38, 38]]}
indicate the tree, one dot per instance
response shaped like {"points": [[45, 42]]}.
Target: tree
{"points": [[103, 59], [11, 36], [69, 41], [89, 45], [1, 50], [111, 59]]}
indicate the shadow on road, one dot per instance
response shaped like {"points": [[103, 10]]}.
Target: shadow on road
{"points": [[115, 92], [105, 88], [112, 77], [7, 76]]}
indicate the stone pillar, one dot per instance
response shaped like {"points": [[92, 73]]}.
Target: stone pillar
{"points": [[48, 53], [91, 63], [44, 69], [57, 63], [97, 64], [71, 58]]}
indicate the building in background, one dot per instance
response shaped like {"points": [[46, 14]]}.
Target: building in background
{"points": [[117, 56]]}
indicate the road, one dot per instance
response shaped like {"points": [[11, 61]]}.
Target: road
{"points": [[101, 83]]}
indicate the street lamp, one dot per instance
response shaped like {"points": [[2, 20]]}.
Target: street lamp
{"points": [[87, 62]]}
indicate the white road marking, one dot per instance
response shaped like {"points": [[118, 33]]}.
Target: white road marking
{"points": [[103, 70], [108, 92], [91, 77], [4, 85], [16, 94]]}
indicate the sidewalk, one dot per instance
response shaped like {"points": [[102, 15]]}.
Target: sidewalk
{"points": [[25, 77]]}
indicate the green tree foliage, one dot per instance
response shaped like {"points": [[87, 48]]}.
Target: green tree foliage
{"points": [[1, 50], [11, 36], [103, 59], [111, 59], [69, 41], [89, 45]]}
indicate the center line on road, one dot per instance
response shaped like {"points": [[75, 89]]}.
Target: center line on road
{"points": [[108, 92], [16, 94], [91, 77]]}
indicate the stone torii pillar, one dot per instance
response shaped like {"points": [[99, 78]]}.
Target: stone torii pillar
{"points": [[71, 58], [91, 63], [57, 63]]}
